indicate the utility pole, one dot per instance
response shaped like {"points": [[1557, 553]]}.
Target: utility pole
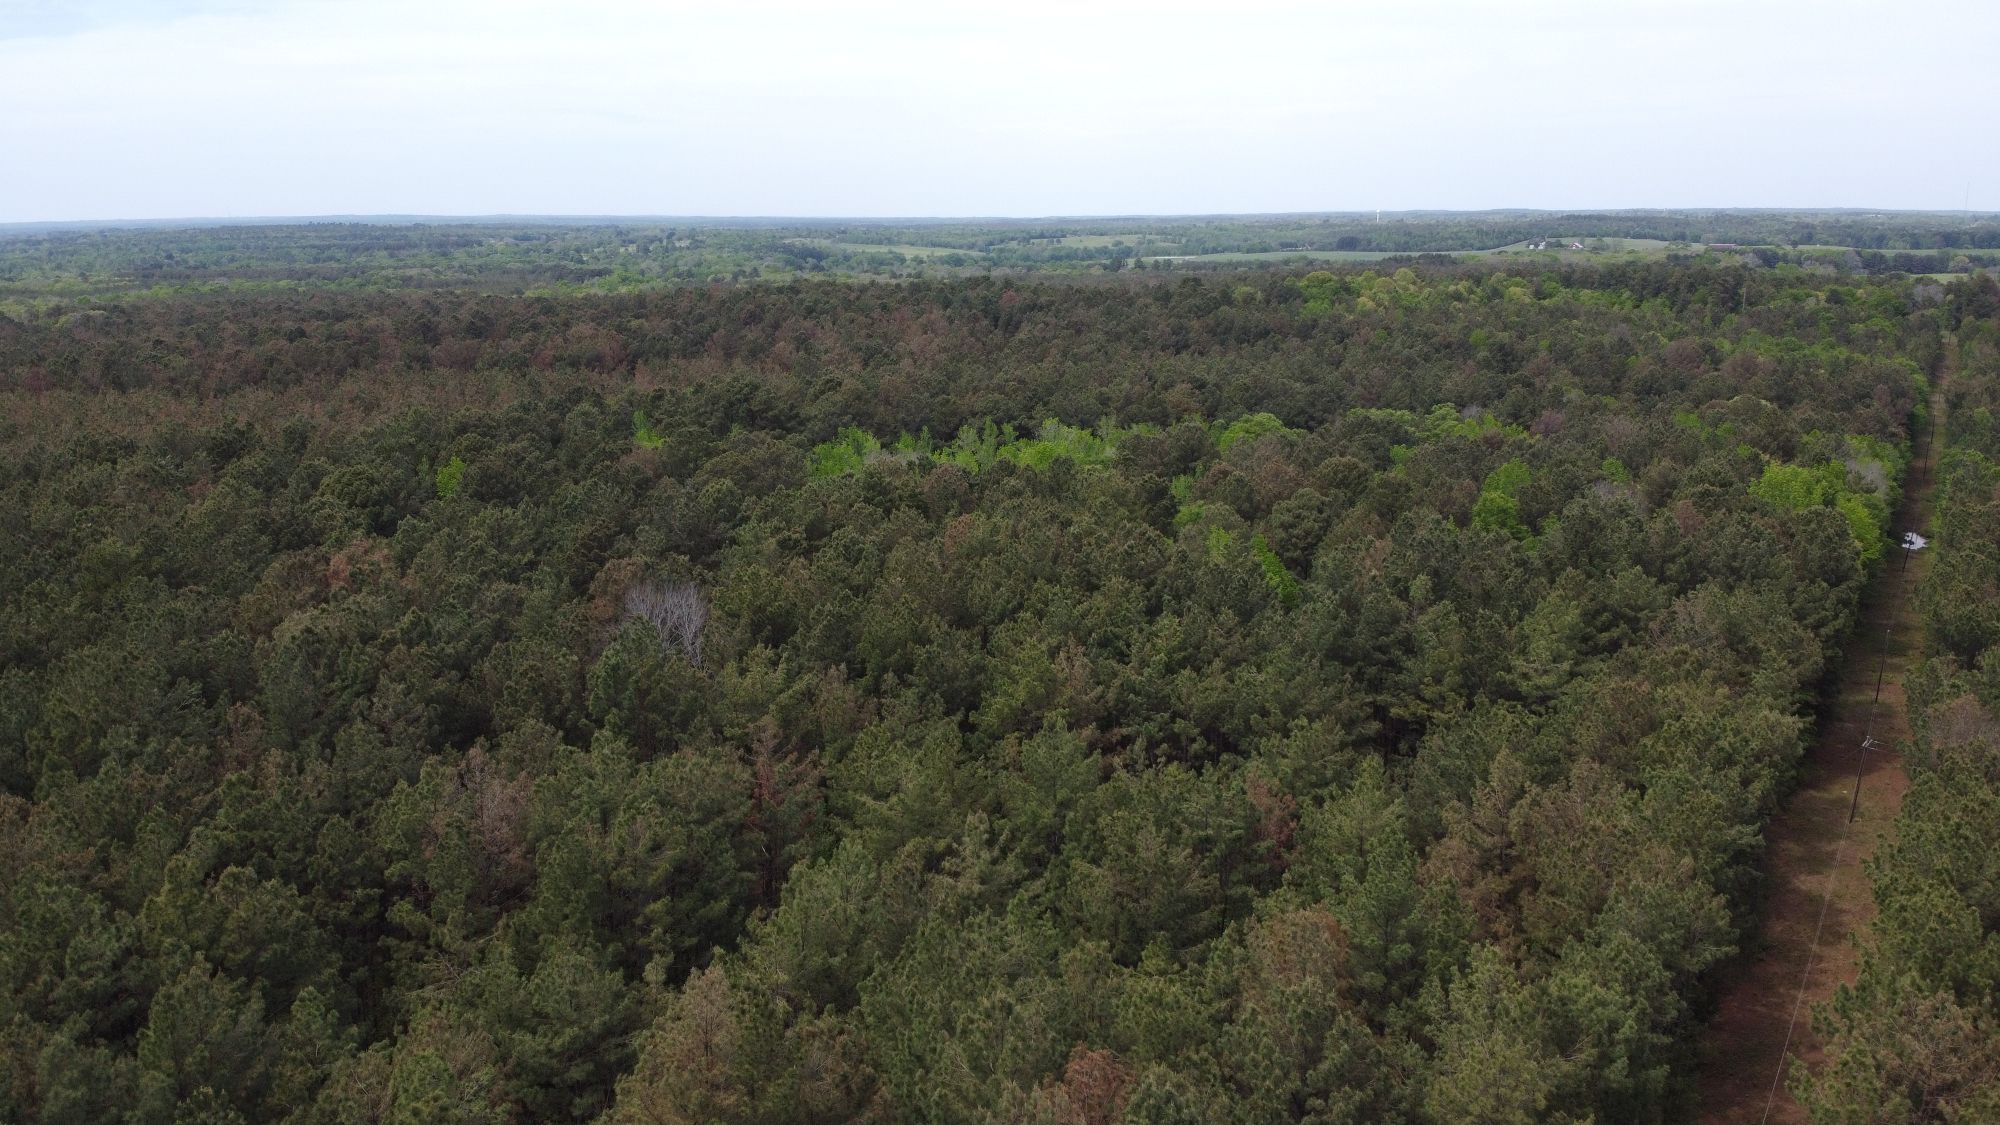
{"points": [[1911, 544]]}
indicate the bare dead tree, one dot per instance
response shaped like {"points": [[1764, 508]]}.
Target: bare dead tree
{"points": [[677, 611]]}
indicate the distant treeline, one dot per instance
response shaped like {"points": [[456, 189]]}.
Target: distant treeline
{"points": [[515, 256]]}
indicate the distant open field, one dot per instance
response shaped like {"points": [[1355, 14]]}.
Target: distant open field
{"points": [[1095, 240], [1591, 245], [1638, 247], [908, 251], [1285, 255]]}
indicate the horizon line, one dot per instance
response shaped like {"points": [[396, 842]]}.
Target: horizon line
{"points": [[416, 218]]}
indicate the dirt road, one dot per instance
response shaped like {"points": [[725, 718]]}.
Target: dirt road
{"points": [[1818, 894]]}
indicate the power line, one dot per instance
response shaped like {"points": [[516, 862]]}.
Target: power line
{"points": [[1911, 545], [1805, 978], [1920, 465]]}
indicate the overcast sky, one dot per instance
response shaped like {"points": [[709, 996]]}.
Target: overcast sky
{"points": [[182, 108]]}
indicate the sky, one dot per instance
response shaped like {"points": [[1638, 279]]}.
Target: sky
{"points": [[128, 109]]}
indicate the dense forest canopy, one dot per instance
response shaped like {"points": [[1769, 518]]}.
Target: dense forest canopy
{"points": [[1338, 696]]}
